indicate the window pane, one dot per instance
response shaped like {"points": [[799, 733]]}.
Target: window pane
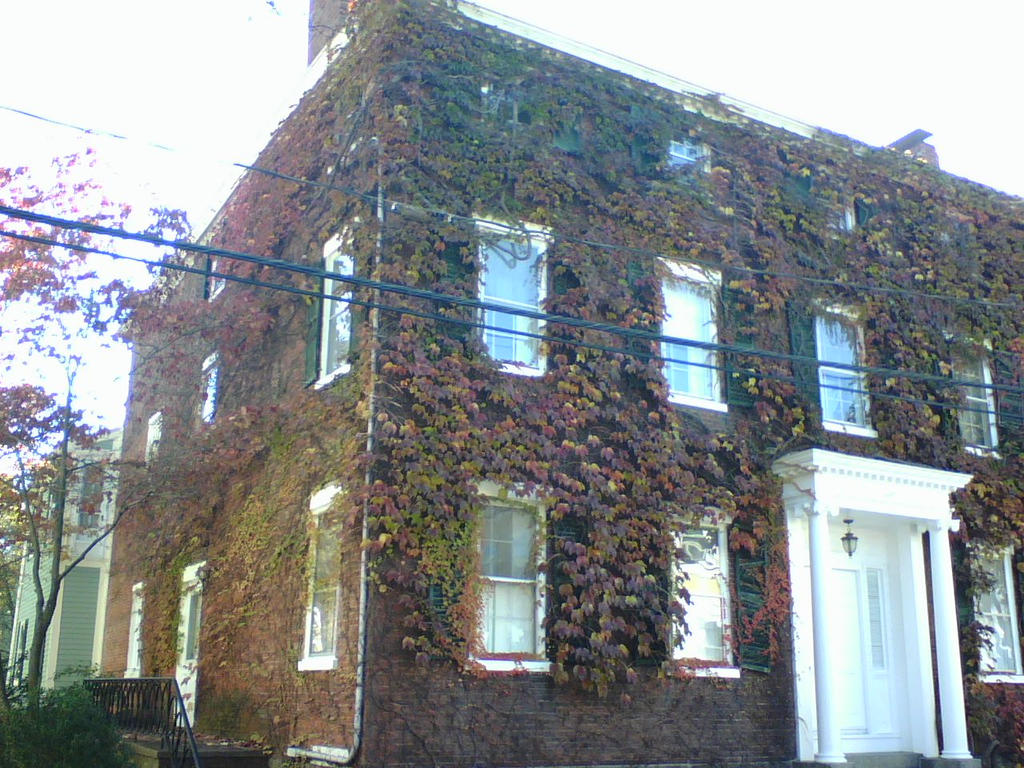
{"points": [[323, 619], [700, 565], [1001, 651], [192, 625], [512, 277], [336, 342], [509, 571], [843, 395], [510, 616], [689, 315], [507, 542]]}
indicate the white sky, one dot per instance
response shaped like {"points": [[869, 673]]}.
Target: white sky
{"points": [[213, 77]]}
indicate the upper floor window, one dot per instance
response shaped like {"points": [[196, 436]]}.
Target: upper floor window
{"points": [[978, 416], [512, 275], [336, 312], [324, 586], [997, 611], [844, 397], [512, 615], [154, 431], [211, 385], [90, 497], [702, 567], [214, 281], [690, 307], [686, 152]]}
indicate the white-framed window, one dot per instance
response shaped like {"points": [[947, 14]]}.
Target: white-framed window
{"points": [[133, 662], [336, 314], [996, 610], [211, 385], [319, 648], [154, 432], [512, 274], [978, 416], [214, 283], [702, 568], [691, 300], [512, 617], [843, 392], [686, 152]]}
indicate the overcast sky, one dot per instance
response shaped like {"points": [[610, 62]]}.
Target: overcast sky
{"points": [[211, 78]]}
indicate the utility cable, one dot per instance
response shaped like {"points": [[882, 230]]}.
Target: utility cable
{"points": [[400, 208], [476, 304], [433, 316]]}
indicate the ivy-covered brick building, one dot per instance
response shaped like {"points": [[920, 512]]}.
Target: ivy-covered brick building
{"points": [[527, 407]]}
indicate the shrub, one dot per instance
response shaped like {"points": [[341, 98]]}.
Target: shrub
{"points": [[66, 730]]}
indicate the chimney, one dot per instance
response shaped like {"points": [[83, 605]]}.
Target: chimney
{"points": [[913, 145], [326, 19]]}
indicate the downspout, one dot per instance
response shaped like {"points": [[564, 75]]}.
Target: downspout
{"points": [[325, 755]]}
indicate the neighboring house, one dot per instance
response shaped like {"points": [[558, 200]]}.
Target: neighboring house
{"points": [[540, 409], [75, 637]]}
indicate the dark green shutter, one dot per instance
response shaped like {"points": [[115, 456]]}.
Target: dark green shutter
{"points": [[207, 277], [754, 636], [737, 373], [454, 273], [563, 529], [563, 280], [314, 316], [1009, 395], [947, 397], [961, 582], [863, 212], [568, 139], [803, 345]]}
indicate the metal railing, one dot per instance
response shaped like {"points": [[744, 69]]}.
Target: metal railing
{"points": [[149, 705]]}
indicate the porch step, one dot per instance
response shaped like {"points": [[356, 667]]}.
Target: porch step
{"points": [[884, 759], [148, 754]]}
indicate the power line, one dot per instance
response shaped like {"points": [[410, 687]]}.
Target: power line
{"points": [[647, 355], [476, 304], [399, 207]]}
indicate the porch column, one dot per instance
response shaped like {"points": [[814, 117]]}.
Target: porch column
{"points": [[829, 749], [947, 646]]}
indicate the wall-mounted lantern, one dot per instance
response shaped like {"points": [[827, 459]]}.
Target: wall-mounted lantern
{"points": [[849, 538]]}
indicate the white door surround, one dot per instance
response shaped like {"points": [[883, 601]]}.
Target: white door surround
{"points": [[190, 613], [880, 596]]}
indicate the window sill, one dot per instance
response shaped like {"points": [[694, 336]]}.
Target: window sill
{"points": [[328, 379], [724, 673], [515, 665], [679, 398], [1002, 677], [520, 369], [982, 451], [846, 428], [317, 663]]}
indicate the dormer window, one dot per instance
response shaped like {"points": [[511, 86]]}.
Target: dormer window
{"points": [[686, 152]]}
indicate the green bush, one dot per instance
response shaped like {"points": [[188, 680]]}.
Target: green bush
{"points": [[66, 730]]}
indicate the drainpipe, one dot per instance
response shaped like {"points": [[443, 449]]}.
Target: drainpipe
{"points": [[327, 755]]}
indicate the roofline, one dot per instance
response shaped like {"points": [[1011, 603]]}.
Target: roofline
{"points": [[641, 72]]}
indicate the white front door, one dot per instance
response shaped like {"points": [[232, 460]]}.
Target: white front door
{"points": [[870, 682], [187, 671]]}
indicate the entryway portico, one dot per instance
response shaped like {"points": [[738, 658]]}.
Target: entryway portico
{"points": [[861, 642]]}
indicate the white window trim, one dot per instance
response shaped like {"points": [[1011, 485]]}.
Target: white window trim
{"points": [[214, 284], [713, 280], [1017, 676], [511, 231], [319, 503], [990, 400], [727, 667], [830, 425], [493, 491], [208, 407], [336, 247], [133, 665], [676, 160], [154, 434]]}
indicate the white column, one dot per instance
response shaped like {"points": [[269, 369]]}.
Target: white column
{"points": [[829, 748], [947, 647]]}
